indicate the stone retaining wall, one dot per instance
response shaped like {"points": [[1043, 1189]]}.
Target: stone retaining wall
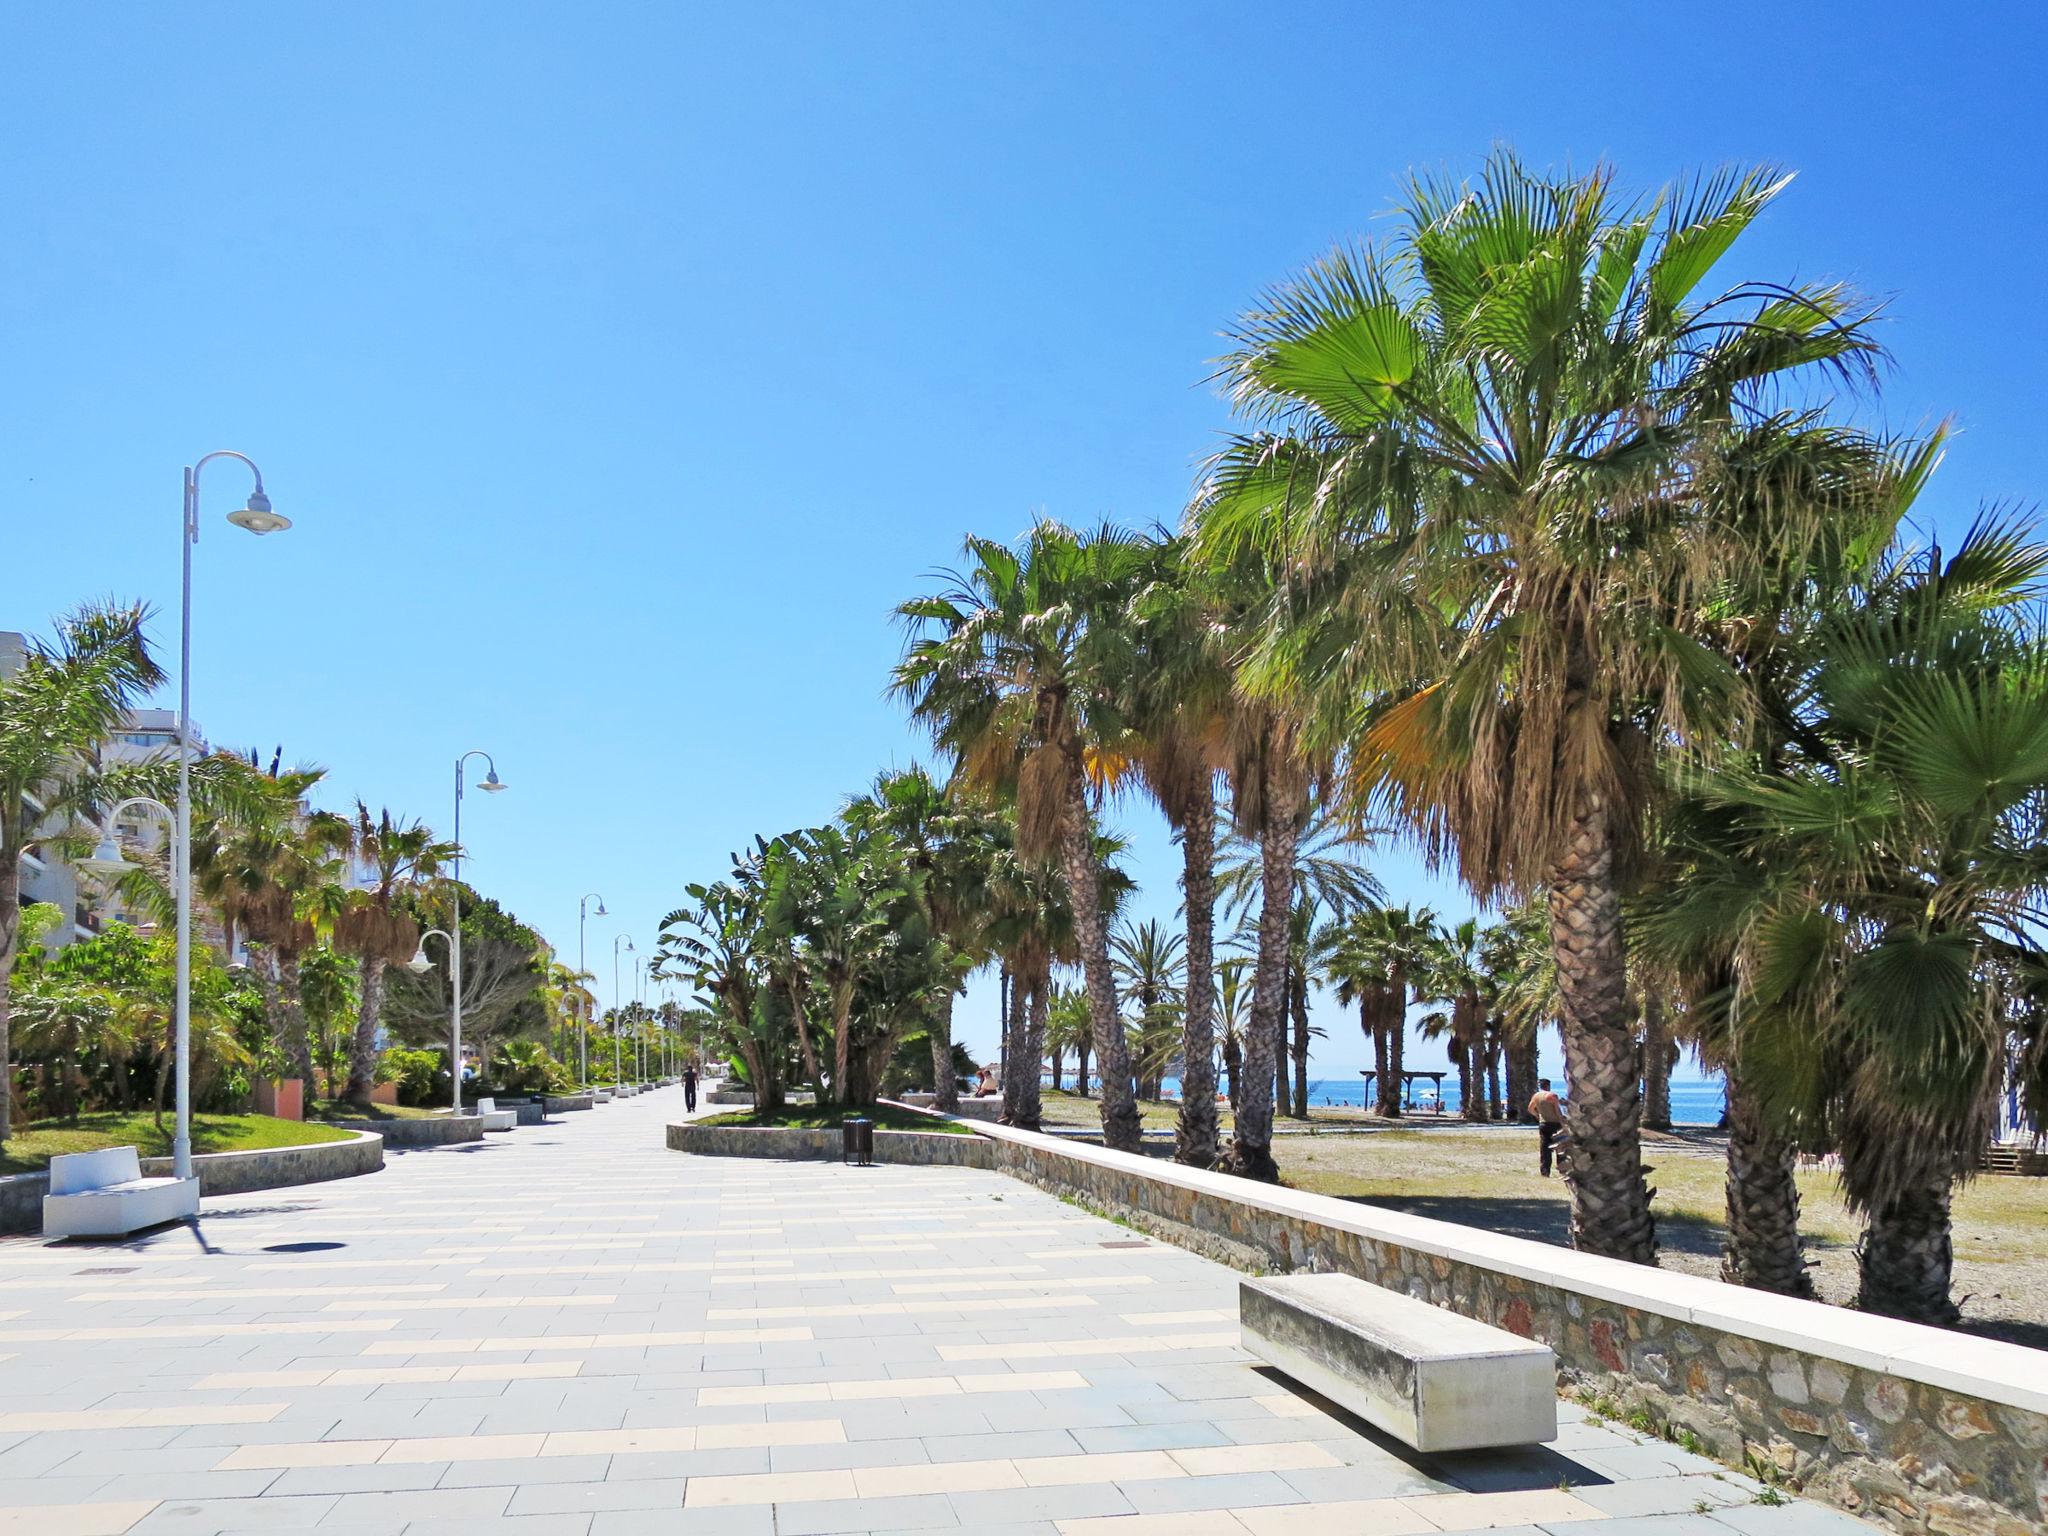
{"points": [[220, 1173], [440, 1131], [936, 1147], [561, 1104], [235, 1173], [1918, 1429]]}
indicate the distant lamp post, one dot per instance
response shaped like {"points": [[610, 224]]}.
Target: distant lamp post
{"points": [[419, 965], [618, 1003], [491, 785], [256, 516], [583, 1055]]}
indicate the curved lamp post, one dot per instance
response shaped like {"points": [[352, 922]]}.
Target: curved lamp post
{"points": [[582, 901], [257, 517], [419, 965], [491, 785]]}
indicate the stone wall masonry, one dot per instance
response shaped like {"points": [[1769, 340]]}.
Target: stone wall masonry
{"points": [[939, 1148], [220, 1173], [1917, 1429], [234, 1173], [438, 1131], [561, 1104]]}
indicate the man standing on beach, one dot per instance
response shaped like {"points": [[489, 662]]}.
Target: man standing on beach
{"points": [[1549, 1115], [690, 1086]]}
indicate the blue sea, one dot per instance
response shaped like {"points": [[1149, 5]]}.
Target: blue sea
{"points": [[1694, 1101]]}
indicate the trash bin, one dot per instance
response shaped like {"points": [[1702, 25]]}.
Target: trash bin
{"points": [[857, 1141]]}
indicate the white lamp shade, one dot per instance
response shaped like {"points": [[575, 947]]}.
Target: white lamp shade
{"points": [[257, 516], [419, 964], [106, 860], [492, 784]]}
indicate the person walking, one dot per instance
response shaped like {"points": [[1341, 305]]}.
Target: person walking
{"points": [[690, 1085], [1549, 1115]]}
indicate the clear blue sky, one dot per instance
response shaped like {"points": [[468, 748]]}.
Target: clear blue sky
{"points": [[624, 364]]}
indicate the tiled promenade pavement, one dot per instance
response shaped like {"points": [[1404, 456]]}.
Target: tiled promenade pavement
{"points": [[571, 1331]]}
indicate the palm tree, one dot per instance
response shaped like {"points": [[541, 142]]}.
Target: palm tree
{"points": [[1183, 708], [1493, 489], [1233, 1017], [66, 1023], [1151, 966], [954, 843], [55, 710], [1867, 897], [1456, 975], [1018, 667], [1068, 1028], [397, 857], [1375, 957]]}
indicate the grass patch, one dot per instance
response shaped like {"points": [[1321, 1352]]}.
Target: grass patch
{"points": [[30, 1150], [807, 1117], [341, 1109]]}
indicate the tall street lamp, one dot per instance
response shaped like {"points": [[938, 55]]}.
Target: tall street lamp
{"points": [[581, 914], [257, 517], [491, 785], [618, 1002]]}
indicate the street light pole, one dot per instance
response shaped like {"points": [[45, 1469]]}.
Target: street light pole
{"points": [[618, 1003], [257, 517], [584, 1053], [492, 784], [419, 965]]}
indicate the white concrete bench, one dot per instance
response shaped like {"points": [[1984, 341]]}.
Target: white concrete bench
{"points": [[494, 1118], [103, 1194], [1431, 1378]]}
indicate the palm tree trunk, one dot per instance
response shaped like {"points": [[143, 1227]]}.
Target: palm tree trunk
{"points": [[1233, 1068], [1081, 1068], [1251, 1145], [1610, 1201], [945, 1086], [1762, 1249], [298, 1047], [1283, 1092], [10, 935], [1059, 1062], [362, 1053], [1394, 1024], [1195, 1134], [1521, 1075], [1030, 1107], [1120, 1124], [1013, 1047], [1656, 1064], [1373, 1030], [1297, 1003], [1494, 1106], [1905, 1259]]}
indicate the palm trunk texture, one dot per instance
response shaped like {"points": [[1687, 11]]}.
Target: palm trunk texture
{"points": [[1030, 1113], [1657, 1055], [1297, 1003], [1195, 1134], [362, 1051], [1906, 1259], [10, 935], [945, 1086], [1013, 1048], [1251, 1147], [1762, 1249], [1610, 1201], [1119, 1105], [291, 1004]]}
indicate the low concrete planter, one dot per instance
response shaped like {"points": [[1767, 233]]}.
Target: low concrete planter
{"points": [[21, 1201], [235, 1173], [737, 1097], [561, 1104], [1922, 1429], [529, 1111], [440, 1131], [220, 1173], [936, 1147]]}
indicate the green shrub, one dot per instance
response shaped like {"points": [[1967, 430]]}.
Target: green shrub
{"points": [[421, 1076]]}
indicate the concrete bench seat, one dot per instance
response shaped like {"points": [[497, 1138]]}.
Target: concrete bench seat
{"points": [[1431, 1378], [103, 1194], [494, 1118]]}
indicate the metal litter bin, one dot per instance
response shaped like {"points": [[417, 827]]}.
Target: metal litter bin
{"points": [[857, 1141]]}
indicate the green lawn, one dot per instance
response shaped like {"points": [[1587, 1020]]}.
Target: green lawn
{"points": [[341, 1109], [805, 1117], [31, 1149]]}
